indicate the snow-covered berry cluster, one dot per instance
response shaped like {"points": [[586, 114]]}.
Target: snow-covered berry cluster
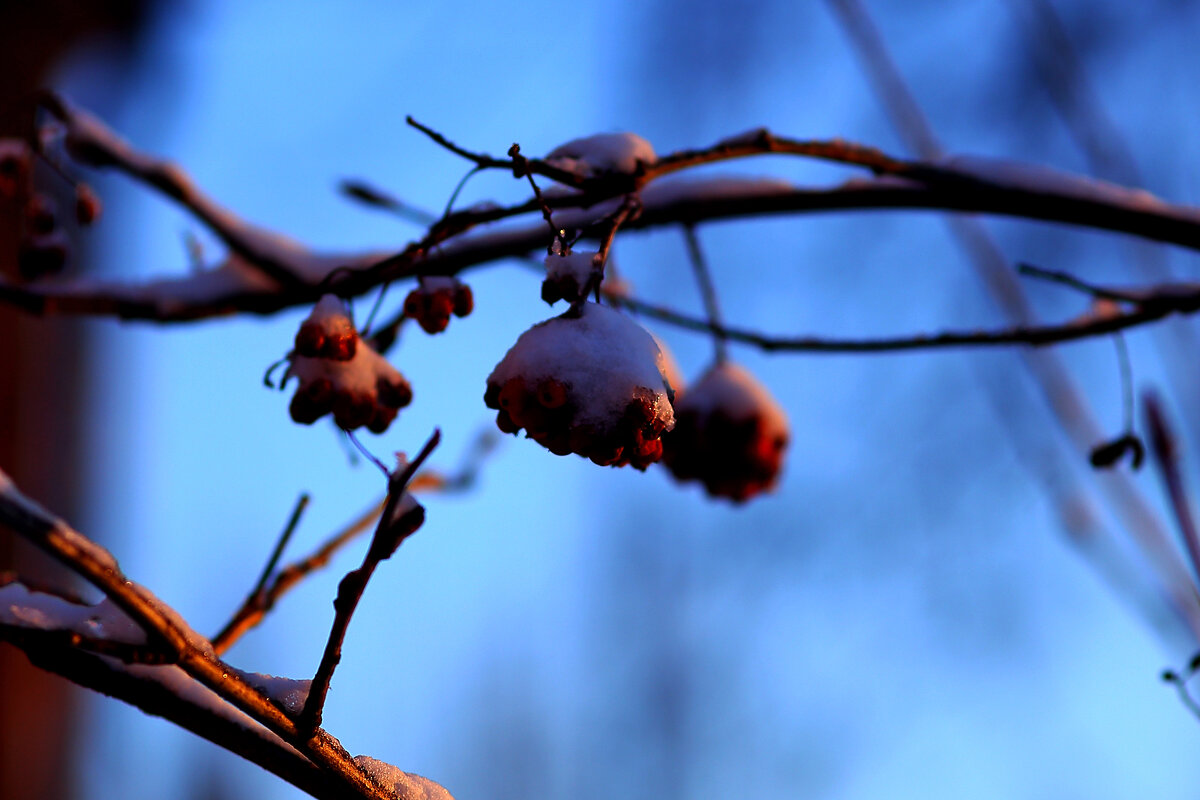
{"points": [[435, 299], [341, 374], [44, 247], [589, 382], [729, 434], [569, 275]]}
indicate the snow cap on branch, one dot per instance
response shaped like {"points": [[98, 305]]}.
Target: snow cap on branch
{"points": [[623, 153]]}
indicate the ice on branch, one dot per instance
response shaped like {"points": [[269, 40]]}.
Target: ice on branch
{"points": [[730, 434], [624, 153], [402, 785], [590, 382], [341, 374]]}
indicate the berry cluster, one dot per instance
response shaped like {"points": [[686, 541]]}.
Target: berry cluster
{"points": [[589, 382], [435, 299], [43, 248], [340, 374], [729, 434]]}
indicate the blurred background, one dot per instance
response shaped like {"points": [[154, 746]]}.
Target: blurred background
{"points": [[907, 616]]}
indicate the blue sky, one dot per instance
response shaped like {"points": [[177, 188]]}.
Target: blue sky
{"points": [[902, 618]]}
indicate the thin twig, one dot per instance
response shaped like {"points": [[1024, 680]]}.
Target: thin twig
{"points": [[1067, 279], [708, 291], [1085, 327], [373, 196], [1166, 455], [257, 606], [103, 148], [288, 530], [1064, 400], [351, 587]]}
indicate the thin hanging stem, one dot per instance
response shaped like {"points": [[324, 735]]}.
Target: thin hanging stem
{"points": [[1126, 368], [708, 291]]}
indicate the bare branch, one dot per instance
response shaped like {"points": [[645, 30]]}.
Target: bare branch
{"points": [[1064, 400], [1166, 455], [258, 604], [393, 528], [190, 651]]}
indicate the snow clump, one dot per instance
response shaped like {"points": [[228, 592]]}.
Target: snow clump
{"points": [[590, 382], [568, 275], [624, 153], [402, 785]]}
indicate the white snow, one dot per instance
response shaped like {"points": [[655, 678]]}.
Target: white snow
{"points": [[601, 355], [407, 502], [285, 692], [576, 267], [358, 375], [331, 314], [435, 283], [402, 785], [36, 610], [1045, 180], [731, 389], [605, 152], [21, 607], [665, 192]]}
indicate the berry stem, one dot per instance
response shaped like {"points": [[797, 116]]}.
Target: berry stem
{"points": [[709, 292]]}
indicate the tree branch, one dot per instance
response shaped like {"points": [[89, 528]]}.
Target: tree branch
{"points": [[190, 651]]}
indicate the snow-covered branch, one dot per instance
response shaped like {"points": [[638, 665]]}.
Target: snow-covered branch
{"points": [[266, 272], [209, 694]]}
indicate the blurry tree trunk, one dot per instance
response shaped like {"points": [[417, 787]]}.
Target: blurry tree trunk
{"points": [[43, 400]]}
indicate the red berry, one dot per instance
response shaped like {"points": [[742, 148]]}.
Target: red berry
{"points": [[464, 301], [352, 410], [87, 204], [310, 339], [340, 345]]}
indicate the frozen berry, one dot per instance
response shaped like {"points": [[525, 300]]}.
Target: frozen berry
{"points": [[729, 434], [588, 382], [433, 302], [341, 374], [87, 204], [464, 300], [310, 339]]}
